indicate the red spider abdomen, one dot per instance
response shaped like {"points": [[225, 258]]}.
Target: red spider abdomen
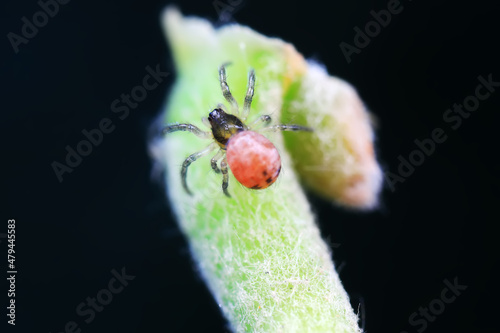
{"points": [[253, 159]]}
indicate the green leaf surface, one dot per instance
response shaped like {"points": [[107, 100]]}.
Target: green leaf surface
{"points": [[260, 252]]}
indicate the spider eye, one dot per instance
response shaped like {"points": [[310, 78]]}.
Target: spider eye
{"points": [[216, 113]]}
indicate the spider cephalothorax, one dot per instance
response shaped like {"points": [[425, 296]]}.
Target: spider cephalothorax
{"points": [[224, 126], [252, 158]]}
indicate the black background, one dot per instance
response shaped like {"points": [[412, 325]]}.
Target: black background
{"points": [[107, 214]]}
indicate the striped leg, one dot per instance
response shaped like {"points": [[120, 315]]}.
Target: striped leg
{"points": [[265, 119], [249, 95], [215, 159], [225, 88], [282, 127], [186, 128], [225, 177], [191, 159]]}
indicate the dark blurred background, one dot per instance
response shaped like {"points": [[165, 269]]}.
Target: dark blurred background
{"points": [[108, 215]]}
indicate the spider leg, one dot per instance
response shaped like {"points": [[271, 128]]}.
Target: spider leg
{"points": [[206, 122], [187, 128], [264, 119], [215, 159], [283, 127], [187, 162], [249, 95], [225, 88], [225, 177], [222, 106]]}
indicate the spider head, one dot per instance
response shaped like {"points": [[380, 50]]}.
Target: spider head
{"points": [[224, 125], [217, 116]]}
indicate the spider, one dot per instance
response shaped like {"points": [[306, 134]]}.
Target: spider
{"points": [[252, 158]]}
